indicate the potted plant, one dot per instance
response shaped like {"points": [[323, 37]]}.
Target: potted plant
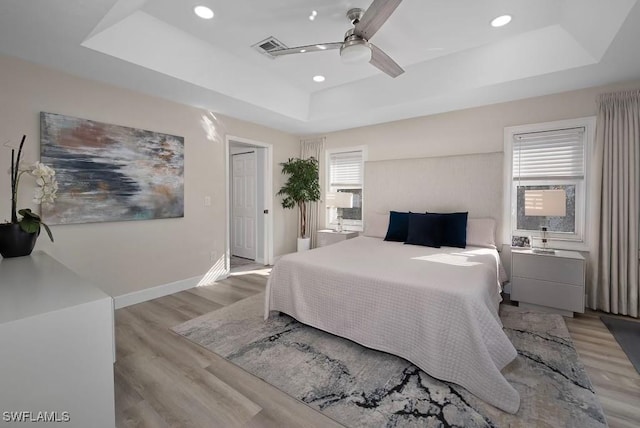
{"points": [[18, 237], [302, 186]]}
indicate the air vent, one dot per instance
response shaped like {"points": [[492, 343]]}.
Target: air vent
{"points": [[268, 45]]}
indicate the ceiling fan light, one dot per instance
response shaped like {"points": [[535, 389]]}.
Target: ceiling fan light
{"points": [[356, 54]]}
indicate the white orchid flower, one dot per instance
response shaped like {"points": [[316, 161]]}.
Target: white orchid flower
{"points": [[46, 183]]}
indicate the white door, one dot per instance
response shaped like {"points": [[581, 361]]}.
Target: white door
{"points": [[243, 197]]}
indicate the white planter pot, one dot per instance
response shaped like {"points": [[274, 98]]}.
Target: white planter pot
{"points": [[304, 244]]}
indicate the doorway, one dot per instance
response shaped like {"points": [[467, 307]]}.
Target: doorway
{"points": [[249, 200], [244, 203]]}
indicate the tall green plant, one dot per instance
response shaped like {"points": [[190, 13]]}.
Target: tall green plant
{"points": [[302, 186]]}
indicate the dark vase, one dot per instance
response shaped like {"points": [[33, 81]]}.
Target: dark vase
{"points": [[15, 242]]}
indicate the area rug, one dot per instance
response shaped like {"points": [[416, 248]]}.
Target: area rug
{"points": [[360, 387], [627, 334]]}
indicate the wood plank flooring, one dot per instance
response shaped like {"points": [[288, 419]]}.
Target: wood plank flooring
{"points": [[163, 380], [614, 378]]}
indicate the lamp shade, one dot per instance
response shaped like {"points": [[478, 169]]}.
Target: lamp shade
{"points": [[545, 203], [339, 200]]}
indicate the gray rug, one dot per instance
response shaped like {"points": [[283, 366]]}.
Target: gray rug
{"points": [[627, 334], [360, 387]]}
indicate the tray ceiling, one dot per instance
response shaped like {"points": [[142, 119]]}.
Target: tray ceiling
{"points": [[453, 58]]}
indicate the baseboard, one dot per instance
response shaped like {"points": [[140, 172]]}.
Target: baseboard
{"points": [[151, 293]]}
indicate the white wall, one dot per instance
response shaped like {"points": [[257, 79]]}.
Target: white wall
{"points": [[124, 257]]}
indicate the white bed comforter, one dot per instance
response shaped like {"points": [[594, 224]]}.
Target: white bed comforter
{"points": [[436, 307]]}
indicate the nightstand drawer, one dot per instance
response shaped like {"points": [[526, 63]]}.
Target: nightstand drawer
{"points": [[548, 268], [547, 293], [325, 239]]}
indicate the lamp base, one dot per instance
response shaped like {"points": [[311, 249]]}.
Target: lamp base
{"points": [[543, 251]]}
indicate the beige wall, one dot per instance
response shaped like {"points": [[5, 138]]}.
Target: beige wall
{"points": [[123, 257], [476, 130], [129, 256]]}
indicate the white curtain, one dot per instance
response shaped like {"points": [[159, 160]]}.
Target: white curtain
{"points": [[614, 286], [313, 148]]}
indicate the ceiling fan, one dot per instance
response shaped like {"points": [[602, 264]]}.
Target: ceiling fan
{"points": [[356, 47]]}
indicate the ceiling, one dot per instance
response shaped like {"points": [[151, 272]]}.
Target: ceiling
{"points": [[453, 58]]}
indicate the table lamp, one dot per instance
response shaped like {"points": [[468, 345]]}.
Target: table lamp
{"points": [[339, 200], [545, 203]]}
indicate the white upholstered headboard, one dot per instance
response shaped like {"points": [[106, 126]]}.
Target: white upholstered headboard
{"points": [[470, 183]]}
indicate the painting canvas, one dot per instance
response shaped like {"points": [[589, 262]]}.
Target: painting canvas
{"points": [[111, 173]]}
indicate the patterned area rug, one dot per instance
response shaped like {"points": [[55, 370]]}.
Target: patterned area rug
{"points": [[360, 387]]}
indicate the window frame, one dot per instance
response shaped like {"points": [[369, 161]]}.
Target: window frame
{"points": [[578, 241], [347, 225]]}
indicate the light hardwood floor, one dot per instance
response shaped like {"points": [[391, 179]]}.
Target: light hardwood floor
{"points": [[613, 376], [163, 380]]}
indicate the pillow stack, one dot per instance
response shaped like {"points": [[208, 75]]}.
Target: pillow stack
{"points": [[429, 229]]}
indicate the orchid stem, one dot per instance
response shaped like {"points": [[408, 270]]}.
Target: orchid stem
{"points": [[15, 176]]}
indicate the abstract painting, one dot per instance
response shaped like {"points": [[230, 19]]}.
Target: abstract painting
{"points": [[109, 172]]}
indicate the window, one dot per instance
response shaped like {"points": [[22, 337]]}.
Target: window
{"points": [[346, 174], [543, 158]]}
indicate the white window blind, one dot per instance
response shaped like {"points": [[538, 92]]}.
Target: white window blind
{"points": [[549, 154], [346, 169]]}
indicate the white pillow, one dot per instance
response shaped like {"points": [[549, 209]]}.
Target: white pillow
{"points": [[481, 232], [376, 225]]}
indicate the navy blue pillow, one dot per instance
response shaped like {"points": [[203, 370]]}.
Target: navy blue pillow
{"points": [[425, 229], [398, 226], [455, 229]]}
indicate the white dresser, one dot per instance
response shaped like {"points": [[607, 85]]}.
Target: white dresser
{"points": [[57, 346], [551, 282], [328, 237]]}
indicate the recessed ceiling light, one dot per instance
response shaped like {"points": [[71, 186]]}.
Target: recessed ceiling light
{"points": [[303, 50], [203, 12], [313, 15], [318, 78], [321, 47], [501, 21]]}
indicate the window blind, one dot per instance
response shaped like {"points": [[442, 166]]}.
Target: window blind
{"points": [[549, 154], [346, 169]]}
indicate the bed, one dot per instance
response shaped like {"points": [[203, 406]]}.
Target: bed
{"points": [[435, 307]]}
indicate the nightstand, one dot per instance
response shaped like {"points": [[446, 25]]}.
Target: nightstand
{"points": [[328, 237], [549, 282]]}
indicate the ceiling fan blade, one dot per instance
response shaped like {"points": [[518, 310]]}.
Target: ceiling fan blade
{"points": [[305, 49], [384, 63], [375, 16]]}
